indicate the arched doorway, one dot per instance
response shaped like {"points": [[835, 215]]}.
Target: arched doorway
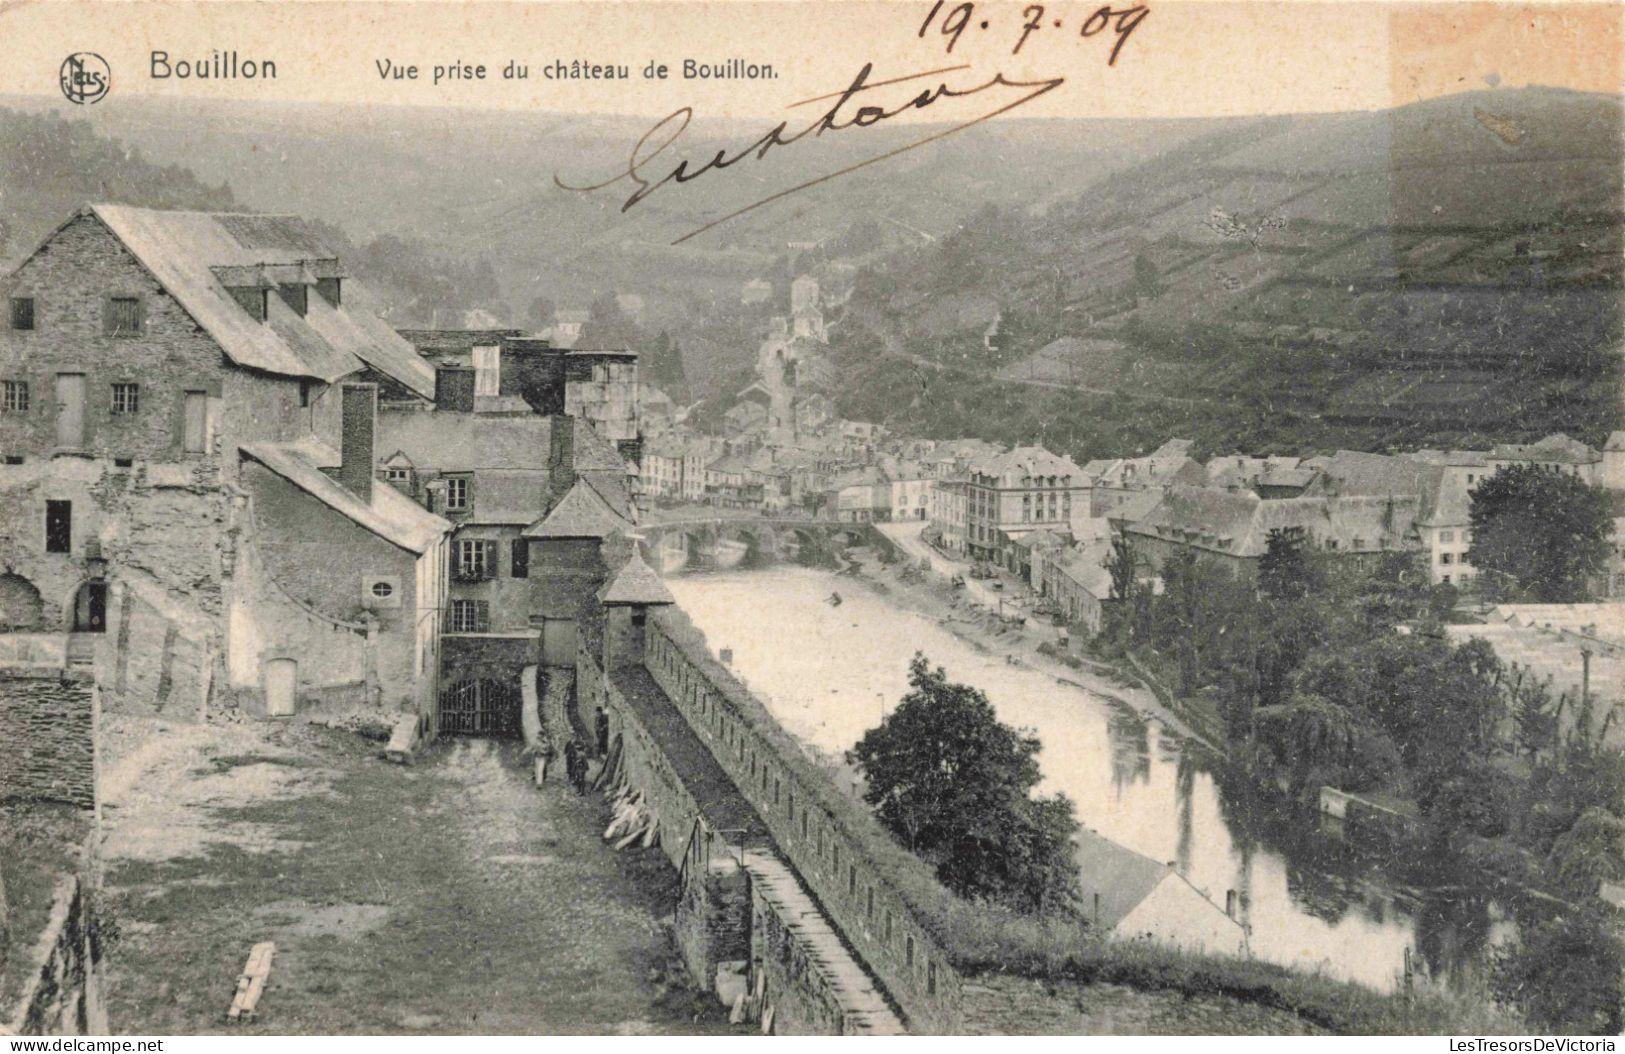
{"points": [[480, 708], [90, 608], [22, 610]]}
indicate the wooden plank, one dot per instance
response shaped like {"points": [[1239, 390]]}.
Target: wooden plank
{"points": [[251, 983]]}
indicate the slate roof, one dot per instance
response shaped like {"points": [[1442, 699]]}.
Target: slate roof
{"points": [[1238, 523], [1028, 461], [462, 442], [581, 513], [182, 250], [1121, 877], [637, 583], [390, 515], [1356, 473], [1555, 447]]}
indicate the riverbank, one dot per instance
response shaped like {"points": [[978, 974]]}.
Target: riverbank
{"points": [[933, 596]]}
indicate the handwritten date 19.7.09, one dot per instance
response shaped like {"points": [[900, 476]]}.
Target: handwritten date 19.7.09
{"points": [[957, 19]]}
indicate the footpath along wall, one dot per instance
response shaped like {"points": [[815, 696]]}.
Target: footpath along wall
{"points": [[885, 903]]}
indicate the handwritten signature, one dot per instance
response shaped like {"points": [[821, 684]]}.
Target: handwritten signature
{"points": [[838, 117]]}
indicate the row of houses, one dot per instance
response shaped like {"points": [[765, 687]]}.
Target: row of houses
{"points": [[227, 482]]}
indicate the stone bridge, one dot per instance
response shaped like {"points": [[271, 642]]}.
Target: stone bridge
{"points": [[721, 543]]}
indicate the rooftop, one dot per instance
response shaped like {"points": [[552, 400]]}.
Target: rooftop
{"points": [[390, 514], [183, 251]]}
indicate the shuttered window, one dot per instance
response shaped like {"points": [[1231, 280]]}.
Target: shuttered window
{"points": [[122, 317], [476, 559], [519, 561]]}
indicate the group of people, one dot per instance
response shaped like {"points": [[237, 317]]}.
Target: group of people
{"points": [[575, 754]]}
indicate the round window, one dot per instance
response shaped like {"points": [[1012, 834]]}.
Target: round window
{"points": [[382, 590]]}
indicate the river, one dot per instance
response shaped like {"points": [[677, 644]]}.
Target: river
{"points": [[829, 672]]}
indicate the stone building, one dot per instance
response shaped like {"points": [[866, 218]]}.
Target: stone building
{"points": [[1014, 493], [142, 351]]}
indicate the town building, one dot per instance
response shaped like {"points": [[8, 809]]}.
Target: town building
{"points": [[949, 512], [144, 351], [1015, 493], [1132, 897]]}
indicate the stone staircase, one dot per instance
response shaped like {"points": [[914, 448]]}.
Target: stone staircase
{"points": [[81, 651]]}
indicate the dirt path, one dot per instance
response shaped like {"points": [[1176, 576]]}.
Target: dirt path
{"points": [[448, 897]]}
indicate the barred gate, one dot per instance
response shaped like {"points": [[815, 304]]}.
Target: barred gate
{"points": [[480, 708]]}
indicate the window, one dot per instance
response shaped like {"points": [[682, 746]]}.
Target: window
{"points": [[1447, 536], [930, 978], [456, 493], [869, 907], [1359, 543], [470, 616], [519, 560], [640, 616], [851, 880], [58, 526], [123, 317], [1331, 544], [908, 950], [22, 312], [476, 559], [126, 398], [888, 926], [304, 393], [398, 475], [14, 397], [1447, 558], [382, 590], [14, 459], [1445, 579]]}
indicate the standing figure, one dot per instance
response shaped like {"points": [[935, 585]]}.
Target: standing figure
{"points": [[575, 765], [544, 760], [600, 724]]}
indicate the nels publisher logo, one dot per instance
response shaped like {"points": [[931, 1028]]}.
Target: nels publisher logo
{"points": [[85, 77]]}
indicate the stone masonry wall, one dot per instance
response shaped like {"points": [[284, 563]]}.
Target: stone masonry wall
{"points": [[852, 888], [62, 994], [48, 736]]}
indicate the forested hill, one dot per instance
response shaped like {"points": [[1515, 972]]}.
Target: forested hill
{"points": [[1448, 272], [50, 166]]}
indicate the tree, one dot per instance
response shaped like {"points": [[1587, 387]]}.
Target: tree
{"points": [[1539, 534], [953, 785], [1565, 974], [1284, 571]]}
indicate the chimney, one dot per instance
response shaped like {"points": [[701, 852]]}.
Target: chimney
{"points": [[561, 454], [454, 389], [359, 412]]}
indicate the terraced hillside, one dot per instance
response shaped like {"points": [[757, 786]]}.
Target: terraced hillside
{"points": [[1447, 270]]}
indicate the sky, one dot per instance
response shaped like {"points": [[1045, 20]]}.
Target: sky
{"points": [[1183, 58]]}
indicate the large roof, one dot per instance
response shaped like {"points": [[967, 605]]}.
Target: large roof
{"points": [[1028, 462], [464, 442], [390, 515], [1556, 447], [581, 513], [188, 251], [1238, 523], [1119, 876]]}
